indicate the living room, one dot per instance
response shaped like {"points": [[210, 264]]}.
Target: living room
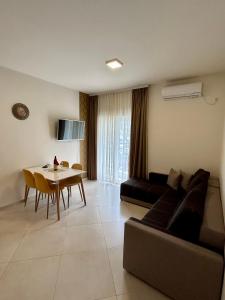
{"points": [[160, 112]]}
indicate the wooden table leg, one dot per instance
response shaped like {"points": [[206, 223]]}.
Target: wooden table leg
{"points": [[57, 201], [82, 187]]}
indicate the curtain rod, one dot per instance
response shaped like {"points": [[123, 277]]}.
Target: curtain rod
{"points": [[121, 90]]}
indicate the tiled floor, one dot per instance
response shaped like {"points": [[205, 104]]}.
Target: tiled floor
{"points": [[78, 258]]}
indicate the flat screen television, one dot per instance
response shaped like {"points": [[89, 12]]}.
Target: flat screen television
{"points": [[69, 130]]}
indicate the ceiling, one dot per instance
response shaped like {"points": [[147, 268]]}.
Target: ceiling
{"points": [[68, 41]]}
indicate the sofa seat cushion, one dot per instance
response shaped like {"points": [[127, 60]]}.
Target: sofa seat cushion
{"points": [[212, 233], [142, 190], [163, 210]]}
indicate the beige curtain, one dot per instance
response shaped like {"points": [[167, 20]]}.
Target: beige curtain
{"points": [[114, 121], [138, 142], [92, 138]]}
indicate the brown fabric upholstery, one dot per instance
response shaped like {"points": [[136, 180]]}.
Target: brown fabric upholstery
{"points": [[142, 190], [201, 176], [187, 220], [138, 142], [181, 269], [178, 268], [163, 210], [92, 138], [212, 233], [135, 201]]}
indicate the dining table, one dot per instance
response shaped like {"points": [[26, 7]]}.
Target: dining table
{"points": [[57, 176]]}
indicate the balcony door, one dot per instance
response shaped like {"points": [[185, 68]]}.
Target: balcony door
{"points": [[113, 141]]}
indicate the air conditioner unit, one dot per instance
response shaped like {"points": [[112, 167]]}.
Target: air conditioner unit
{"points": [[182, 90]]}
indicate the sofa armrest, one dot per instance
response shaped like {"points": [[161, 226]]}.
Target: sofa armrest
{"points": [[178, 268], [157, 178]]}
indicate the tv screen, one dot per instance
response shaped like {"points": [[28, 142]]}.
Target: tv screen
{"points": [[70, 130]]}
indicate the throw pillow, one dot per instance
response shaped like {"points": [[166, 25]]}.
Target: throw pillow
{"points": [[185, 180], [174, 178]]}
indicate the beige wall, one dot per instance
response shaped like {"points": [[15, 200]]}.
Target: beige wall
{"points": [[31, 142], [187, 133]]}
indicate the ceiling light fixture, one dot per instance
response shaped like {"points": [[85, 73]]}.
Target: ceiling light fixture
{"points": [[114, 63]]}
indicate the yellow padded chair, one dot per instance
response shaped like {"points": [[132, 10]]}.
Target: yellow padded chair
{"points": [[29, 183], [77, 166], [64, 164], [76, 180], [44, 187]]}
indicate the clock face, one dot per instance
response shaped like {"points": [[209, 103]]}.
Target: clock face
{"points": [[20, 111]]}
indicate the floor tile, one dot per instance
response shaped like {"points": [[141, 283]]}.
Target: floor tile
{"points": [[132, 210], [114, 233], [121, 212], [41, 243], [125, 283], [2, 268], [38, 221], [9, 242], [84, 276], [32, 279], [13, 222], [111, 213], [83, 215], [104, 194], [85, 249], [84, 238]]}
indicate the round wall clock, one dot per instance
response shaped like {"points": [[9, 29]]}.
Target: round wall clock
{"points": [[20, 111]]}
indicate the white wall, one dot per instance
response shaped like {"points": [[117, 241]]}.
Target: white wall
{"points": [[31, 142], [187, 134]]}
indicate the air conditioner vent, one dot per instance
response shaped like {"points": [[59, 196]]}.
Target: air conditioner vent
{"points": [[182, 90]]}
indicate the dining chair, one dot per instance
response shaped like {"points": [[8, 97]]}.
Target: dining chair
{"points": [[64, 164], [44, 186], [29, 183], [75, 180], [77, 167]]}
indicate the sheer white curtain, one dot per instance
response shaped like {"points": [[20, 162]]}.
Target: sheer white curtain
{"points": [[114, 122]]}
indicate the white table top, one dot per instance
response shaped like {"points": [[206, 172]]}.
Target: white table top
{"points": [[60, 174]]}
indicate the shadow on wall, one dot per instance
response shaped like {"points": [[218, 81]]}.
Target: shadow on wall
{"points": [[52, 126], [12, 188]]}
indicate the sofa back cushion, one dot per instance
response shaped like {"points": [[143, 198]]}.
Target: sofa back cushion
{"points": [[174, 179], [200, 177], [186, 178], [187, 220]]}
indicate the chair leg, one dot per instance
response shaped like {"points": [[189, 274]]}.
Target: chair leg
{"points": [[25, 195], [82, 188], [82, 199], [68, 201], [53, 198], [48, 206], [38, 199], [71, 191], [63, 199]]}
